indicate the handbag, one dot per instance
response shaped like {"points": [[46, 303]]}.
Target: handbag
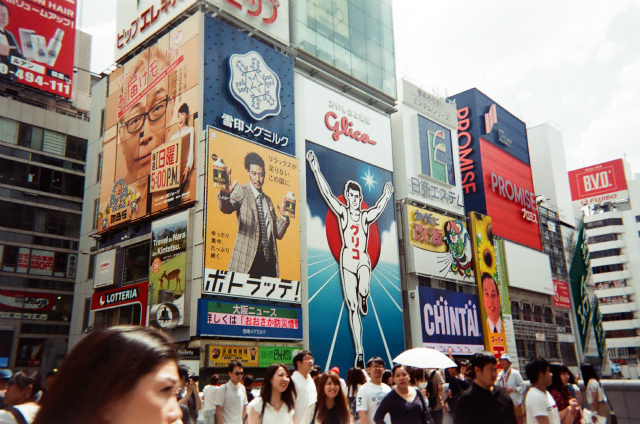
{"points": [[426, 415], [612, 415]]}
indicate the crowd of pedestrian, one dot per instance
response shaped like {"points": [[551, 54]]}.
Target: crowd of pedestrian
{"points": [[123, 375]]}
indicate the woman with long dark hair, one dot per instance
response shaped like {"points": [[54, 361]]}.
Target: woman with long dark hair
{"points": [[355, 380], [596, 398], [568, 406], [118, 375], [332, 406], [277, 398], [405, 404]]}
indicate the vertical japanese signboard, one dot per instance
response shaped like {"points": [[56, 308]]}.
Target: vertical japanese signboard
{"points": [[151, 119], [37, 44], [250, 251], [487, 283], [167, 274], [578, 274]]}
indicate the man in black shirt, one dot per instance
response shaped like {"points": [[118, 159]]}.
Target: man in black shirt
{"points": [[484, 403]]}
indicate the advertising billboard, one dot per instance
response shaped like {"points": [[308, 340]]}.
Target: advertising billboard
{"points": [[440, 245], [221, 355], [487, 283], [26, 301], [244, 319], [344, 125], [138, 20], [450, 320], [151, 119], [510, 197], [252, 246], [270, 17], [134, 294], [105, 269], [37, 44], [561, 296], [578, 274], [248, 87], [600, 183], [353, 265], [168, 270]]}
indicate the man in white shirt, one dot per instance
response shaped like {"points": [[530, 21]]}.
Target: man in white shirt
{"points": [[513, 383], [371, 393], [231, 398], [541, 408], [305, 387]]}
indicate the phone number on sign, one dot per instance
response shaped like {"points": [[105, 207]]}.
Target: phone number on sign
{"points": [[30, 77]]}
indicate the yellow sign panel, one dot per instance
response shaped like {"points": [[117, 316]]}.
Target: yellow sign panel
{"points": [[220, 356]]}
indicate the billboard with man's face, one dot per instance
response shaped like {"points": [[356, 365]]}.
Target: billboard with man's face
{"points": [[151, 120], [37, 44]]}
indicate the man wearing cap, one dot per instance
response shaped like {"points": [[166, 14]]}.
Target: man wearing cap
{"points": [[372, 392], [512, 382], [5, 376]]}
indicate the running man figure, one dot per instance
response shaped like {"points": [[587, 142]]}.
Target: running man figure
{"points": [[355, 264]]}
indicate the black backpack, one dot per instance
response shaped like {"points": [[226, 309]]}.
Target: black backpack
{"points": [[432, 391]]}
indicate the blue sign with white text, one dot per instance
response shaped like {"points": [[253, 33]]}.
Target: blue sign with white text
{"points": [[247, 319], [248, 87], [450, 320]]}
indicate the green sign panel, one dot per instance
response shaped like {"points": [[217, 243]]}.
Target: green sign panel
{"points": [[578, 275], [277, 354], [599, 331]]}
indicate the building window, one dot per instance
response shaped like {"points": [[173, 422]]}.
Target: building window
{"points": [[537, 313], [136, 263], [99, 171], [526, 312], [607, 268], [86, 314], [8, 131], [102, 121], [92, 265], [604, 253], [96, 214], [637, 218], [603, 223], [548, 315], [515, 309]]}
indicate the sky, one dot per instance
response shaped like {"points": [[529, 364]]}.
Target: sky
{"points": [[573, 64]]}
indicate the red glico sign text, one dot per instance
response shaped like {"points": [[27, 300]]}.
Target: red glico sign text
{"points": [[344, 127]]}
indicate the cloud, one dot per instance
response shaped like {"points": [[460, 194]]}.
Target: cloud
{"points": [[606, 51], [316, 233]]}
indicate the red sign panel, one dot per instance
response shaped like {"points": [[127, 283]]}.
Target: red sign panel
{"points": [[510, 198], [20, 300], [561, 297], [38, 45], [134, 293], [597, 181]]}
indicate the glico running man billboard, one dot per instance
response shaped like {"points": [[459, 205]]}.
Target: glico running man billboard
{"points": [[355, 308], [37, 44], [151, 120], [495, 168]]}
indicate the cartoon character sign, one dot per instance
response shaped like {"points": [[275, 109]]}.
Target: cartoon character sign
{"points": [[355, 225], [458, 257]]}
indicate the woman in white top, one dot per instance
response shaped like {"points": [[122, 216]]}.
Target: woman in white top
{"points": [[277, 397], [209, 395], [596, 398]]}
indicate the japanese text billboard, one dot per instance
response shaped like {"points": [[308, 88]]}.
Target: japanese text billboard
{"points": [[168, 271], [26, 301], [440, 245], [269, 16], [221, 355], [487, 282], [248, 87], [243, 319], [37, 44], [510, 197], [450, 320], [353, 266], [138, 20], [600, 183], [151, 117], [252, 226], [578, 274], [561, 296]]}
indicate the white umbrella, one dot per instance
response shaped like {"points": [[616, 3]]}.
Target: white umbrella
{"points": [[424, 357]]}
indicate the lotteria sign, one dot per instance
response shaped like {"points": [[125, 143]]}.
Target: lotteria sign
{"points": [[600, 183], [450, 320], [135, 293], [345, 126]]}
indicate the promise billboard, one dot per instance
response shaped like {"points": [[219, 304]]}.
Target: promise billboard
{"points": [[37, 44]]}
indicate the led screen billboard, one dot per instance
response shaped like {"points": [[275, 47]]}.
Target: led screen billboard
{"points": [[510, 197], [37, 44], [600, 183], [151, 121]]}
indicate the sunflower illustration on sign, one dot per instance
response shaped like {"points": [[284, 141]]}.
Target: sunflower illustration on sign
{"points": [[486, 277]]}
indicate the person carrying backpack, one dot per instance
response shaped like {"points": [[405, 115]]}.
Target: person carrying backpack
{"points": [[435, 396]]}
